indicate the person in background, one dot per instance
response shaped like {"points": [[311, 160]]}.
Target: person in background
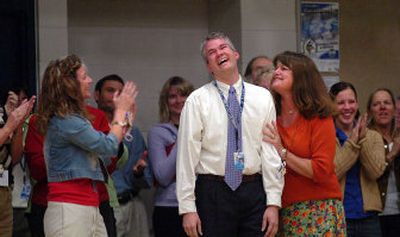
{"points": [[21, 183], [36, 164], [162, 156], [228, 181], [359, 162], [134, 175], [255, 66], [398, 112], [72, 148], [382, 111], [264, 78], [304, 135], [12, 117]]}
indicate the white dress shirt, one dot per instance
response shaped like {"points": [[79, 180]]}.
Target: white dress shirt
{"points": [[202, 140]]}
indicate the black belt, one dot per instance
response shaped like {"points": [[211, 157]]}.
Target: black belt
{"points": [[126, 196], [245, 178]]}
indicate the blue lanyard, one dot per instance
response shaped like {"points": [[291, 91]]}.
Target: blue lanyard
{"points": [[237, 126], [228, 110]]}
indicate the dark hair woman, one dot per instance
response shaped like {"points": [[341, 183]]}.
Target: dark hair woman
{"points": [[359, 163], [304, 136]]}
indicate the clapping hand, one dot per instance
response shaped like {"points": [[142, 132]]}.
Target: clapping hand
{"points": [[19, 114], [11, 103]]}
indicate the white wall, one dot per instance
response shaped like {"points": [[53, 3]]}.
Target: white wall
{"points": [[52, 32], [143, 41], [268, 28]]}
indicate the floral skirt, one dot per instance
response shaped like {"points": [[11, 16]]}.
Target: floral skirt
{"points": [[313, 218]]}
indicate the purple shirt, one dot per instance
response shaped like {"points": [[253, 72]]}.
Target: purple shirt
{"points": [[161, 142]]}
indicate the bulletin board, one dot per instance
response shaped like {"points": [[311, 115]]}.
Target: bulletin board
{"points": [[319, 34]]}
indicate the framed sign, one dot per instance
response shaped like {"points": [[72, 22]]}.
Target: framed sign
{"points": [[319, 34]]}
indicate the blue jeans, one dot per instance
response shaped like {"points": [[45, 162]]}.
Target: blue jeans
{"points": [[365, 227]]}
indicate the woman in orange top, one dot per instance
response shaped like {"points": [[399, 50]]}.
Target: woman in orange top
{"points": [[304, 136]]}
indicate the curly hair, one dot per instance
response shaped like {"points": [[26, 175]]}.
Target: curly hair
{"points": [[310, 94], [184, 87], [60, 93]]}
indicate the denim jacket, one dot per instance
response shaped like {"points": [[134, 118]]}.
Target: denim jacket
{"points": [[72, 148]]}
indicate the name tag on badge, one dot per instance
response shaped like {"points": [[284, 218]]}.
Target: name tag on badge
{"points": [[238, 158], [4, 179], [26, 192]]}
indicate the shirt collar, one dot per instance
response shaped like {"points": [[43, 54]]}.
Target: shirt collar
{"points": [[225, 87]]}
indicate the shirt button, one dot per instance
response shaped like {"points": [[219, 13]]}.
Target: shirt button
{"points": [[383, 194]]}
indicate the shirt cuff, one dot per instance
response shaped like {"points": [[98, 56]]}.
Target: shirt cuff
{"points": [[186, 207], [274, 199]]}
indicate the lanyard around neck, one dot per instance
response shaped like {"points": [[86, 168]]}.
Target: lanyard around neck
{"points": [[227, 108]]}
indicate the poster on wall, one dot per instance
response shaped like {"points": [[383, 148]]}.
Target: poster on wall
{"points": [[319, 34]]}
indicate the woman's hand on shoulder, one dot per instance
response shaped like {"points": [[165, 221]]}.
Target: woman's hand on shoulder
{"points": [[271, 135]]}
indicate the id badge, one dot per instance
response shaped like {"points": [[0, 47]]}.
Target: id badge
{"points": [[4, 179], [238, 158], [281, 170], [26, 191]]}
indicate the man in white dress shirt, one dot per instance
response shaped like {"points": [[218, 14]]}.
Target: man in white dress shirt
{"points": [[225, 187]]}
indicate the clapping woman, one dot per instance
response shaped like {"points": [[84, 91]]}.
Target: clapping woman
{"points": [[382, 110], [72, 147], [359, 163]]}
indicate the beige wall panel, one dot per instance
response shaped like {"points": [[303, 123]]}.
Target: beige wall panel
{"points": [[144, 41], [267, 43], [370, 45], [261, 15], [268, 28], [52, 31]]}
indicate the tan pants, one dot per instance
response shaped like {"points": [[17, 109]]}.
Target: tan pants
{"points": [[132, 219], [68, 219], [6, 213]]}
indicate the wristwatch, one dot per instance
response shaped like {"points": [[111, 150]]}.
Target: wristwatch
{"points": [[119, 123], [283, 153]]}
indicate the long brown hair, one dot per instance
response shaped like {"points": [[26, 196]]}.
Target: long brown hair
{"points": [[60, 94], [309, 92], [184, 87]]}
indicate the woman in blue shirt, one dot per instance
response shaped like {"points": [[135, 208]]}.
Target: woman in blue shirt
{"points": [[359, 163]]}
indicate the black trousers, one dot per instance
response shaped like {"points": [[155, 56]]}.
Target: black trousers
{"points": [[35, 220], [167, 222], [107, 213], [224, 212], [390, 225]]}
